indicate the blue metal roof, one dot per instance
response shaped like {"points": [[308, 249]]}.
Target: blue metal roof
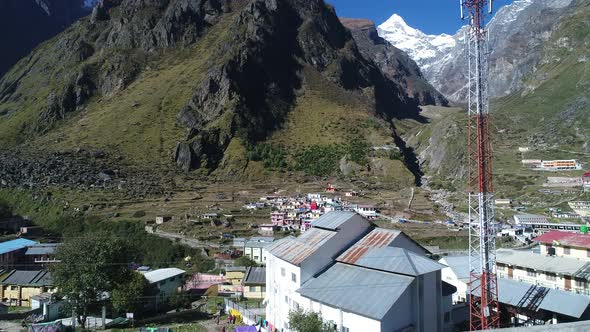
{"points": [[13, 245], [335, 219], [356, 289]]}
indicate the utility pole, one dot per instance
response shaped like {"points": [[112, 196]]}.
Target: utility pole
{"points": [[483, 283]]}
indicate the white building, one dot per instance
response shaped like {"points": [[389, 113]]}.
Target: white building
{"points": [[255, 248], [527, 219], [367, 211], [164, 283], [569, 274], [554, 304], [382, 282], [581, 207]]}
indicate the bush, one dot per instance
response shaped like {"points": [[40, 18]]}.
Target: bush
{"points": [[320, 160], [273, 157]]}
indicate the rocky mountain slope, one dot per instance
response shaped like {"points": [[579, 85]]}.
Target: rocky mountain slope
{"points": [[548, 114], [517, 33], [24, 24], [395, 63], [222, 88]]}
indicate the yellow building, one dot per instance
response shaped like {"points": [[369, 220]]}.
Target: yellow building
{"points": [[255, 283], [18, 287], [235, 274]]}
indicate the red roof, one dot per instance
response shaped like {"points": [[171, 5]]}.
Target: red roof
{"points": [[565, 239], [586, 175]]}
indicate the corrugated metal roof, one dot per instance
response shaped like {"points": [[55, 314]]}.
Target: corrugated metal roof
{"points": [[375, 251], [398, 260], [565, 239], [459, 265], [13, 245], [553, 264], [42, 249], [296, 250], [558, 301], [162, 274], [356, 289], [34, 278], [335, 219], [255, 275]]}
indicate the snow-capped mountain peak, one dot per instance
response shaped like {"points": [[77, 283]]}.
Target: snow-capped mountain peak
{"points": [[420, 46]]}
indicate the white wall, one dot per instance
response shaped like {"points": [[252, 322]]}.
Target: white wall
{"points": [[341, 318], [278, 288], [448, 275]]}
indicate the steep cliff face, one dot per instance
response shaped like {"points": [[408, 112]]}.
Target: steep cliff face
{"points": [[24, 24], [196, 83], [517, 34], [395, 63]]}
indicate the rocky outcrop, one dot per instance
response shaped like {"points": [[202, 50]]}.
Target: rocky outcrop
{"points": [[394, 63], [35, 21]]}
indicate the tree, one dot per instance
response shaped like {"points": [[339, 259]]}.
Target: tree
{"points": [[129, 296], [91, 265], [301, 321], [244, 261], [179, 300]]}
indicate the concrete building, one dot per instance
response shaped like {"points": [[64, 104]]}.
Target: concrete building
{"points": [[255, 248], [565, 244], [357, 277], [553, 305], [456, 273], [18, 287], [12, 251], [278, 218], [560, 165], [41, 256], [367, 211], [163, 283], [568, 274], [50, 306], [254, 283]]}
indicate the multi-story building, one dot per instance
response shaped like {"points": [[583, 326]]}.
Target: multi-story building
{"points": [[565, 244], [586, 181], [357, 277], [255, 248], [569, 274], [17, 287], [514, 295], [527, 219], [163, 284], [367, 211], [560, 165], [278, 218], [41, 255], [11, 252]]}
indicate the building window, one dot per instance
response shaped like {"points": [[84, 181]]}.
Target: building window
{"points": [[580, 283], [286, 299], [447, 317], [252, 289], [345, 329], [566, 250], [500, 267], [551, 277], [587, 253], [282, 272], [255, 258], [531, 273], [293, 277]]}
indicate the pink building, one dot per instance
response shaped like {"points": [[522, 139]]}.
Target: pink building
{"points": [[278, 218]]}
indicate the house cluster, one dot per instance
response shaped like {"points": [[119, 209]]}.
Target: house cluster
{"points": [[359, 278], [298, 212], [238, 282], [556, 278], [24, 271]]}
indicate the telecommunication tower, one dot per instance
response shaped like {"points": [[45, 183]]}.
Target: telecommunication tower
{"points": [[483, 284]]}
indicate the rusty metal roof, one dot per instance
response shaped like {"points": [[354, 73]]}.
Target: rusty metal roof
{"points": [[296, 250], [375, 251]]}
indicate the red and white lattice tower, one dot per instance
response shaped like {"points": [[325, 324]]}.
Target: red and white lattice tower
{"points": [[483, 284]]}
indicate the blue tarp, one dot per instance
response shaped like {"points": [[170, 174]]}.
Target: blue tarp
{"points": [[246, 329]]}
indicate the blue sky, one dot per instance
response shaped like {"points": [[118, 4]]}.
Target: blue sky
{"points": [[430, 16]]}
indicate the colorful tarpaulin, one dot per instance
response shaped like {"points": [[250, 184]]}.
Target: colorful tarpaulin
{"points": [[246, 329]]}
